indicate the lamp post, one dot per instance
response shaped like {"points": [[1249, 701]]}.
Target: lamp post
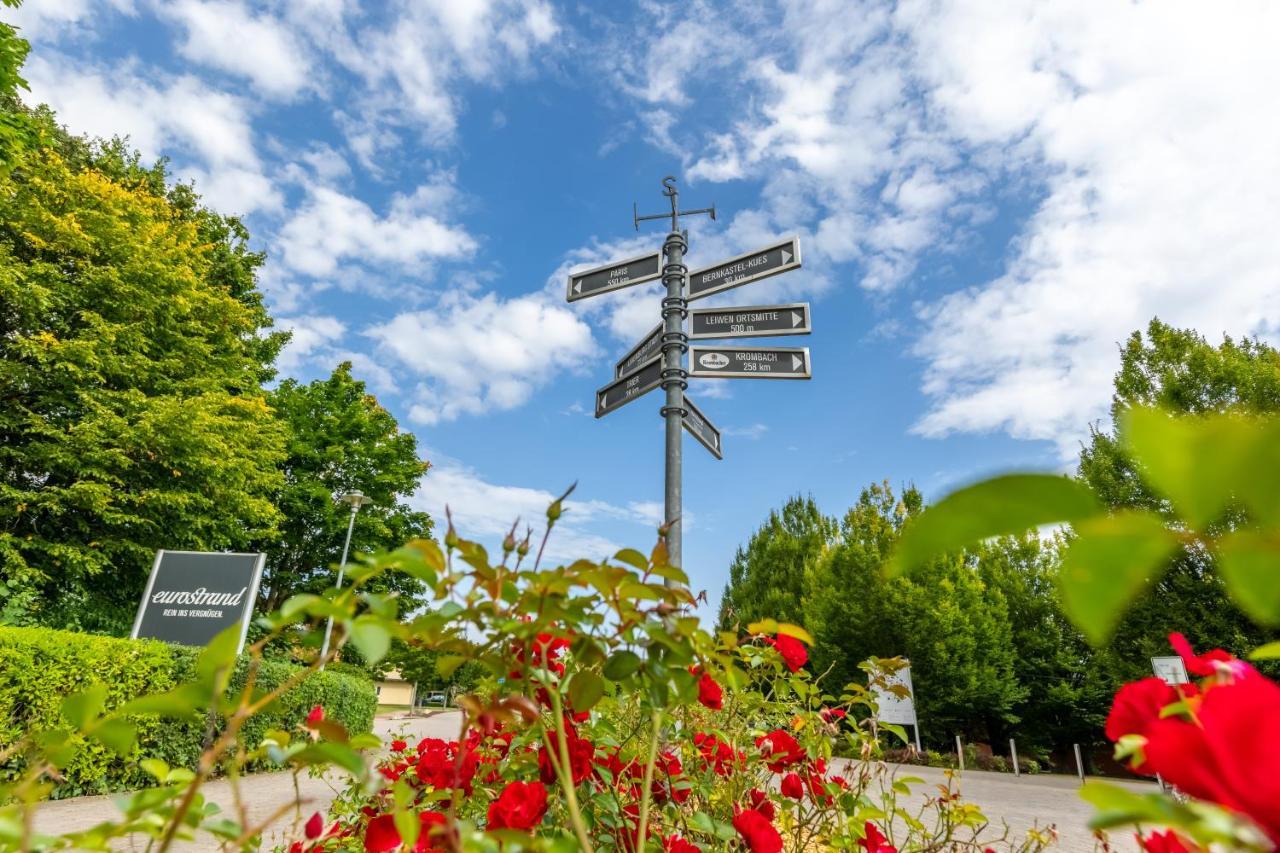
{"points": [[355, 500]]}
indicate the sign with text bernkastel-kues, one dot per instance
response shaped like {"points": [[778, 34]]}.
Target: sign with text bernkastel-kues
{"points": [[756, 321], [749, 362], [192, 596], [630, 387], [650, 345], [744, 269], [614, 276]]}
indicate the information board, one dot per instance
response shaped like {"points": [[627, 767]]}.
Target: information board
{"points": [[192, 596]]}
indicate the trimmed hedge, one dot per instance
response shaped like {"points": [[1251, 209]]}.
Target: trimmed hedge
{"points": [[38, 667]]}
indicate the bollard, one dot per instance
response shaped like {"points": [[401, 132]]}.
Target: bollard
{"points": [[1013, 750], [1079, 763], [959, 753]]}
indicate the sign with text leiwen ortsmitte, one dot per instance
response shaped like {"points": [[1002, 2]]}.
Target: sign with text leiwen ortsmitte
{"points": [[192, 596]]}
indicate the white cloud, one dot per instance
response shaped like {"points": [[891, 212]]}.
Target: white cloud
{"points": [[47, 19], [226, 35], [476, 354], [752, 432], [332, 226], [312, 335]]}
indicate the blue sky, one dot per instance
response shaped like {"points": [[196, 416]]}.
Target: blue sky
{"points": [[989, 198]]}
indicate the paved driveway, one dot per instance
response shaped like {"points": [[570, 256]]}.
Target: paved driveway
{"points": [[1019, 802]]}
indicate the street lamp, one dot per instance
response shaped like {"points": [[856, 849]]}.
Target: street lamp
{"points": [[355, 500]]}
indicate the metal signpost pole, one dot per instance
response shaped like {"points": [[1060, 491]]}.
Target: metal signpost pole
{"points": [[674, 345]]}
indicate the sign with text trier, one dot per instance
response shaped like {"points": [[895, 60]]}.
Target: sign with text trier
{"points": [[192, 596], [744, 269], [650, 345], [701, 428], [627, 388], [750, 362], [757, 321], [614, 276]]}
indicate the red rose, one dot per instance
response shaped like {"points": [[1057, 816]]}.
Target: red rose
{"points": [[793, 786], [398, 746], [381, 835], [792, 650], [1137, 705], [667, 782], [582, 756], [315, 826], [709, 693], [873, 841], [431, 826], [760, 802], [1164, 842], [780, 750], [1202, 665], [521, 805], [676, 844], [757, 832], [1229, 753], [316, 715], [716, 753], [832, 715]]}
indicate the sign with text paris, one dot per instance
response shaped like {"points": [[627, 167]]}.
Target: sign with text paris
{"points": [[649, 346], [630, 387], [756, 321], [781, 257], [701, 428], [749, 362], [192, 596], [614, 276]]}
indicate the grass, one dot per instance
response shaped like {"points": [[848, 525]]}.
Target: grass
{"points": [[391, 709]]}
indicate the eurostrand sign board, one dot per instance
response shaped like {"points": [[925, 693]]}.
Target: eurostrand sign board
{"points": [[650, 345], [781, 257], [193, 596], [749, 362], [755, 321], [614, 276], [891, 708], [629, 387], [701, 428]]}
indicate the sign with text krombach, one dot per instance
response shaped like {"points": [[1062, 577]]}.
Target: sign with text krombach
{"points": [[192, 596], [756, 321], [614, 276], [770, 261], [750, 362]]}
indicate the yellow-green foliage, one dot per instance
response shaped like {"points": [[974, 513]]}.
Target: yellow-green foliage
{"points": [[39, 667]]}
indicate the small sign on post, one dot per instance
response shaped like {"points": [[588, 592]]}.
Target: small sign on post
{"points": [[892, 708], [626, 388], [756, 321], [701, 428], [781, 257], [614, 276], [193, 596], [650, 346], [1171, 670], [750, 362]]}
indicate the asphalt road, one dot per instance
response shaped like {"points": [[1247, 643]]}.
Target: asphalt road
{"points": [[1020, 803]]}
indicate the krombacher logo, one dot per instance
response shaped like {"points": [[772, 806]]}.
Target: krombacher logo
{"points": [[199, 596]]}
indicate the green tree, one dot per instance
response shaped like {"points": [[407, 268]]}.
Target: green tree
{"points": [[1180, 371], [133, 345], [767, 578], [17, 131], [340, 440]]}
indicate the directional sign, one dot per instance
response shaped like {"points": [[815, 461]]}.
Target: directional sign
{"points": [[626, 388], [757, 321], [744, 269], [614, 276], [701, 428], [750, 362], [649, 346]]}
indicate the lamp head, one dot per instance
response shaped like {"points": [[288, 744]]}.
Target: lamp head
{"points": [[355, 500]]}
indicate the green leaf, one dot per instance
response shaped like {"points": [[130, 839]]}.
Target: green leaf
{"points": [[156, 768], [672, 573], [632, 558], [219, 655], [621, 664], [182, 701], [371, 637], [585, 690], [446, 664], [117, 735], [1249, 562], [1112, 559], [1000, 506], [297, 604], [82, 708], [1267, 651]]}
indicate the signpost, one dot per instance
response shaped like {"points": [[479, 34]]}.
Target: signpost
{"points": [[614, 276], [895, 709], [759, 321], [650, 345], [626, 388], [658, 359], [745, 269], [750, 362], [701, 428], [1171, 670], [192, 596]]}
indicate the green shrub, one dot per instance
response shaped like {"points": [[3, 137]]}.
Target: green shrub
{"points": [[39, 667]]}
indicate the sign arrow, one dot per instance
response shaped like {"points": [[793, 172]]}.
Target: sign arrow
{"points": [[755, 321], [750, 362], [701, 428], [626, 388], [614, 276], [781, 257]]}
